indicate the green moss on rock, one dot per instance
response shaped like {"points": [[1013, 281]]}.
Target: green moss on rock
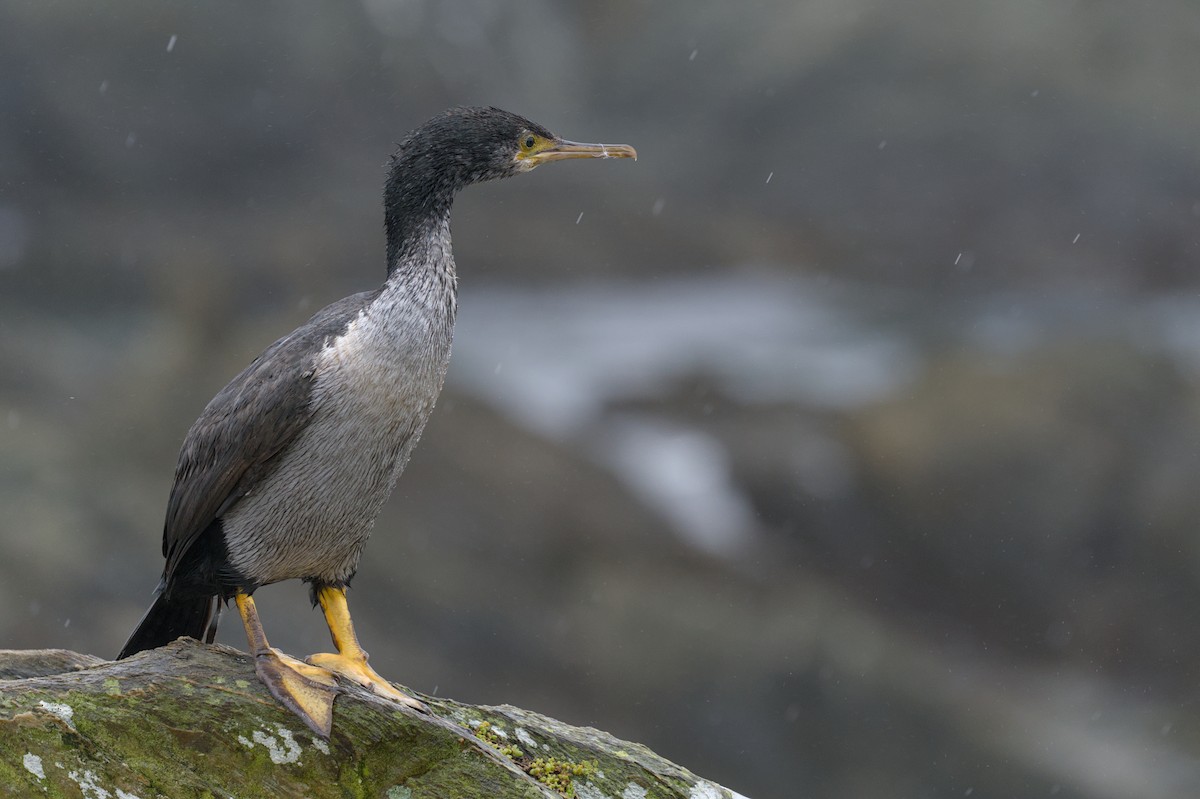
{"points": [[192, 720]]}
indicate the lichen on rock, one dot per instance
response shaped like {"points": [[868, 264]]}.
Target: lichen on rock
{"points": [[192, 720]]}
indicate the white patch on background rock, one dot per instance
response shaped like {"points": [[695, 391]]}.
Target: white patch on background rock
{"points": [[570, 357], [321, 745], [33, 764], [280, 751], [705, 790], [126, 795], [63, 711], [634, 791], [87, 784], [525, 738], [687, 475]]}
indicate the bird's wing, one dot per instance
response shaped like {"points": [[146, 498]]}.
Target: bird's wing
{"points": [[245, 426]]}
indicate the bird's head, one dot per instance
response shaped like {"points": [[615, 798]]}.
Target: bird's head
{"points": [[471, 145]]}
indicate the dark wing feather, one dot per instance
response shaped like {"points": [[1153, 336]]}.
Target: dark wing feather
{"points": [[230, 447]]}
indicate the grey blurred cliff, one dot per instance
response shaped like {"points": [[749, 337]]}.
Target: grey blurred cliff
{"points": [[846, 445]]}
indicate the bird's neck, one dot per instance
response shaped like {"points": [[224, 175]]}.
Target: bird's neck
{"points": [[421, 278], [417, 200]]}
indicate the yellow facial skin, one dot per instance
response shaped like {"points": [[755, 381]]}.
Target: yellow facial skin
{"points": [[535, 150]]}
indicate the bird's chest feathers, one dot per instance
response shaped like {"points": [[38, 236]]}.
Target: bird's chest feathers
{"points": [[377, 382]]}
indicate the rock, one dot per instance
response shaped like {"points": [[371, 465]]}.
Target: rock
{"points": [[190, 719], [18, 664]]}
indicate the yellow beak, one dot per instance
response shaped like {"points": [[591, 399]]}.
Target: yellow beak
{"points": [[561, 150]]}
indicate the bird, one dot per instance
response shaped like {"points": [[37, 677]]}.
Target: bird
{"points": [[286, 469]]}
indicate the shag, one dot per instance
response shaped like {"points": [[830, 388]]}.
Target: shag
{"points": [[284, 472]]}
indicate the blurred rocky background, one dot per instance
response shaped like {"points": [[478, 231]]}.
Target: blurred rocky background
{"points": [[845, 445]]}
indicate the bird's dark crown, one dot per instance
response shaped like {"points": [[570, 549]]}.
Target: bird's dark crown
{"points": [[470, 145]]}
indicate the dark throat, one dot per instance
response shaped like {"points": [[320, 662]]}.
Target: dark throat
{"points": [[417, 198]]}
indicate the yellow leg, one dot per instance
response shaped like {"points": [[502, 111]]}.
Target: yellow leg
{"points": [[350, 660], [307, 691]]}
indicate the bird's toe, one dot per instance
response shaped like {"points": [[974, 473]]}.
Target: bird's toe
{"points": [[358, 671]]}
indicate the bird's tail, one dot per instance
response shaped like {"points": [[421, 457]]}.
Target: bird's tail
{"points": [[169, 618]]}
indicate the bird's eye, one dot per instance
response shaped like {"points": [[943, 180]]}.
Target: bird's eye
{"points": [[529, 142]]}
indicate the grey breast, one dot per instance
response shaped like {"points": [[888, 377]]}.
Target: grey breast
{"points": [[374, 387]]}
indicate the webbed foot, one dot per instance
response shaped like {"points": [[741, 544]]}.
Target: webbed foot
{"points": [[308, 691], [358, 671]]}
